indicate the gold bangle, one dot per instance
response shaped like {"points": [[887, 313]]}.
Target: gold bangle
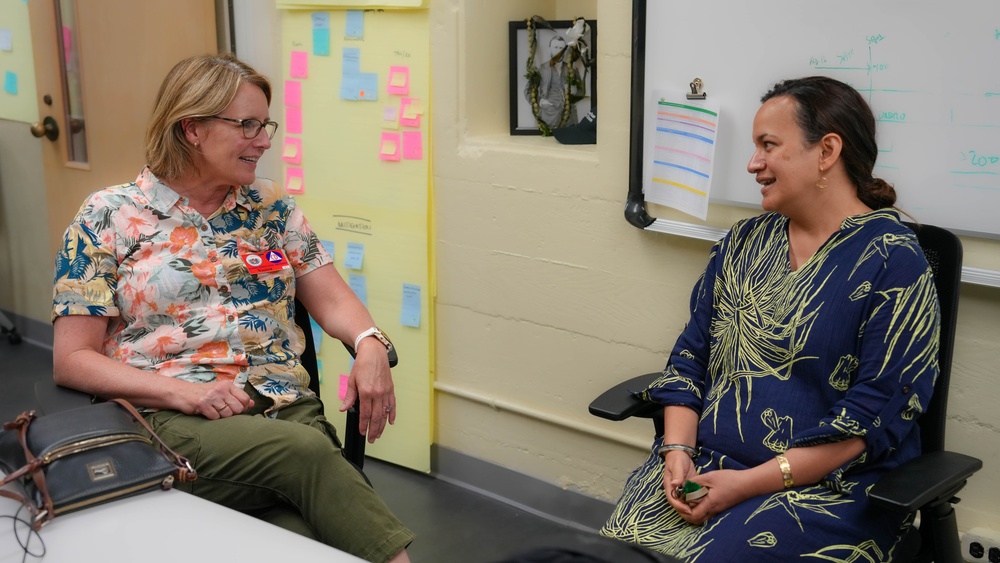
{"points": [[786, 470]]}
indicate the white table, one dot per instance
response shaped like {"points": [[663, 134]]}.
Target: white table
{"points": [[162, 527]]}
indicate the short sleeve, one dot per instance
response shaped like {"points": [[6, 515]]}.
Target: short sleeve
{"points": [[86, 269], [303, 248]]}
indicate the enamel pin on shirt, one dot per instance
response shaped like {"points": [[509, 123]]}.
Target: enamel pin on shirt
{"points": [[265, 261]]}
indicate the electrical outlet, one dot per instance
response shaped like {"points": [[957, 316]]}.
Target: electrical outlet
{"points": [[981, 545]]}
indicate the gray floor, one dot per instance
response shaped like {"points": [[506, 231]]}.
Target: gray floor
{"points": [[453, 524]]}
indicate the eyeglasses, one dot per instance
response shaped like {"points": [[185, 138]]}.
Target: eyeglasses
{"points": [[251, 127]]}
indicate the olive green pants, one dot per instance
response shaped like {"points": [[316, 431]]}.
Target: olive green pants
{"points": [[288, 471]]}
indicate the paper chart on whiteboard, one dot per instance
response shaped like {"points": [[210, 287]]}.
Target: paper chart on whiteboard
{"points": [[680, 152]]}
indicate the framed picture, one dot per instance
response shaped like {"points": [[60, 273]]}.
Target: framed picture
{"points": [[556, 85]]}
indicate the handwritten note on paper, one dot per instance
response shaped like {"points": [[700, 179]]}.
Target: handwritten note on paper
{"points": [[317, 334], [293, 93], [293, 120], [354, 84], [399, 80], [409, 112], [10, 82], [329, 247], [413, 145], [292, 151], [389, 120], [6, 40], [359, 285], [342, 386], [321, 33], [410, 314], [299, 67], [354, 27], [389, 149], [683, 152], [295, 182], [355, 256]]}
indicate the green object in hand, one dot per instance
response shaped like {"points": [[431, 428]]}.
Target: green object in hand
{"points": [[692, 491]]}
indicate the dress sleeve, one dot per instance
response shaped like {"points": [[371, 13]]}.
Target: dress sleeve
{"points": [[86, 269], [897, 363], [683, 379]]}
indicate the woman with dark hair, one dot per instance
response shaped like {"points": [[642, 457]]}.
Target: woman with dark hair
{"points": [[177, 291], [810, 353]]}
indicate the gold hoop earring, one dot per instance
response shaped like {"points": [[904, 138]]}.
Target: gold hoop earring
{"points": [[822, 184]]}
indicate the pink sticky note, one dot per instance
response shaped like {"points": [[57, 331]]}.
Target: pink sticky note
{"points": [[413, 145], [399, 80], [389, 149], [67, 34], [293, 120], [295, 182], [343, 386], [299, 65], [292, 151], [293, 93], [407, 116]]}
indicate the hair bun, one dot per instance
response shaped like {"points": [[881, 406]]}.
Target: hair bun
{"points": [[878, 194]]}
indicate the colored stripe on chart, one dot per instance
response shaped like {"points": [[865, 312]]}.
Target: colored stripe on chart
{"points": [[685, 134], [684, 106], [685, 153], [681, 186], [688, 117], [687, 123], [679, 167]]}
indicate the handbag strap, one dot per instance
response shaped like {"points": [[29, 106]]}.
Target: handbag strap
{"points": [[34, 465], [185, 471]]}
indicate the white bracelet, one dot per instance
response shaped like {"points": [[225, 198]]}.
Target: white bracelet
{"points": [[373, 331], [362, 336]]}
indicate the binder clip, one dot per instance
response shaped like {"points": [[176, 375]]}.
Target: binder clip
{"points": [[696, 93]]}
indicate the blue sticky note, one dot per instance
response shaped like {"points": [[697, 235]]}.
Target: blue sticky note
{"points": [[319, 368], [352, 61], [321, 42], [355, 256], [410, 315], [355, 26], [359, 87], [320, 20], [328, 246], [359, 285], [317, 333], [10, 82]]}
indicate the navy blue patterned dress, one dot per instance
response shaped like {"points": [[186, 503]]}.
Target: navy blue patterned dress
{"points": [[773, 359]]}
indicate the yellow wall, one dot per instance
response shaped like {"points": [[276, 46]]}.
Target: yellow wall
{"points": [[546, 295]]}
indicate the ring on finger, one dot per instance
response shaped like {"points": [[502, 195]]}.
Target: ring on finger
{"points": [[388, 409]]}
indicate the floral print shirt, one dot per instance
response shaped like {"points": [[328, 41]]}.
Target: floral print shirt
{"points": [[181, 291]]}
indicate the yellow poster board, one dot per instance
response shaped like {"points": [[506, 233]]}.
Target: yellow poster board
{"points": [[18, 98], [355, 145]]}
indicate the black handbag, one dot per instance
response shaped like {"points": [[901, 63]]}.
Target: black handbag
{"points": [[69, 460]]}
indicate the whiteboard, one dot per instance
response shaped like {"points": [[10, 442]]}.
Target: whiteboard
{"points": [[930, 70]]}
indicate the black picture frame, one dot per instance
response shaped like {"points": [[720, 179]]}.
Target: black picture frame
{"points": [[522, 120]]}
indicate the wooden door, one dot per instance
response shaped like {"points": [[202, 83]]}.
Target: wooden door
{"points": [[98, 67]]}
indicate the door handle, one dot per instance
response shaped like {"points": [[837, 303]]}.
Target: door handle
{"points": [[47, 128]]}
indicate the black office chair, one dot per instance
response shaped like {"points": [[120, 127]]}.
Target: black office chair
{"points": [[927, 484], [53, 398]]}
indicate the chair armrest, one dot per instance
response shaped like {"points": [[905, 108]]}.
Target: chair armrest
{"points": [[51, 398], [619, 402], [354, 441], [930, 479]]}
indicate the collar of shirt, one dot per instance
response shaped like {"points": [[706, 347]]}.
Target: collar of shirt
{"points": [[162, 197]]}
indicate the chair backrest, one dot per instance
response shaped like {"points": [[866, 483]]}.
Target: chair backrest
{"points": [[308, 357], [944, 254]]}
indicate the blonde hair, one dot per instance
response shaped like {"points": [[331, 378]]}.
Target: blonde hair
{"points": [[200, 86]]}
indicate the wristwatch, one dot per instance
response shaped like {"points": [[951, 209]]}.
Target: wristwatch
{"points": [[374, 331]]}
